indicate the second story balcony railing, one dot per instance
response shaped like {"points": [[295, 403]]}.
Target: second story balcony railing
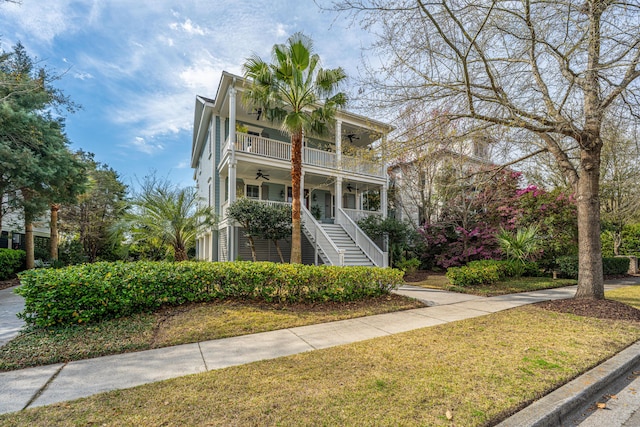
{"points": [[279, 150]]}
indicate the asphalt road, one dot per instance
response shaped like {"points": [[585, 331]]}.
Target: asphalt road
{"points": [[617, 406]]}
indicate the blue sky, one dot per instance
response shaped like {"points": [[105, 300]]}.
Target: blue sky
{"points": [[136, 66]]}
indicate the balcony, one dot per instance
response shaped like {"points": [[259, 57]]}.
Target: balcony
{"points": [[279, 150]]}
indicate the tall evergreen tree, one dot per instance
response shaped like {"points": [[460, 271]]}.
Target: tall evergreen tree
{"points": [[37, 168], [92, 217]]}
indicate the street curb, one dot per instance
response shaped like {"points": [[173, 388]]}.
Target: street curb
{"points": [[552, 409]]}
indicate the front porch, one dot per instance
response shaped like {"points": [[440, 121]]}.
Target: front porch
{"points": [[358, 199]]}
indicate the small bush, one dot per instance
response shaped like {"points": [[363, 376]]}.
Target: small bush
{"points": [[100, 291], [408, 265], [11, 261], [568, 266], [532, 269]]}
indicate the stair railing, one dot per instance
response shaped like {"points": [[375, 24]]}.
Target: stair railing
{"points": [[370, 249], [321, 239]]}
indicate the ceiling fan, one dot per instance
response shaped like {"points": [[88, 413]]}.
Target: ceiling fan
{"points": [[257, 112], [351, 137], [262, 175]]}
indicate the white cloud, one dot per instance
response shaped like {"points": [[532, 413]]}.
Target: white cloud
{"points": [[188, 27], [281, 31], [145, 146], [201, 75], [158, 114], [82, 76]]}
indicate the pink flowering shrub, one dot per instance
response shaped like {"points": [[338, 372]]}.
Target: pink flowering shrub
{"points": [[470, 220]]}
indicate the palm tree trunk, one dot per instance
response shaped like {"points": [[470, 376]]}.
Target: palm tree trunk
{"points": [[180, 254], [296, 175]]}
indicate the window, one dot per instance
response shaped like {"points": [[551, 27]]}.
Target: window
{"points": [[252, 192]]}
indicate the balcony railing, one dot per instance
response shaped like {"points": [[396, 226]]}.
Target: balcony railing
{"points": [[358, 214], [279, 150]]}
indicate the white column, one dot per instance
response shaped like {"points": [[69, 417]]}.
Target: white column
{"points": [[232, 169], [232, 144], [232, 117], [338, 204], [338, 141], [302, 199], [383, 201], [385, 187]]}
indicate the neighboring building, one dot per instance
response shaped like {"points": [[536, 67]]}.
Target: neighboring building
{"points": [[236, 153], [416, 182], [12, 235]]}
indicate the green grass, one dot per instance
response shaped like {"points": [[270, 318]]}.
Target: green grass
{"points": [[180, 325], [480, 370], [628, 295], [509, 286]]}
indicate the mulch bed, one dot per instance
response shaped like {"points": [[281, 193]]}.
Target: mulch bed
{"points": [[601, 309], [420, 275], [4, 284]]}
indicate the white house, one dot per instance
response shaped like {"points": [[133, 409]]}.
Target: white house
{"points": [[237, 153], [12, 235], [415, 179]]}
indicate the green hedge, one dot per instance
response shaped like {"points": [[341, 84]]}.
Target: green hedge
{"points": [[94, 292], [568, 266], [486, 272], [10, 261]]}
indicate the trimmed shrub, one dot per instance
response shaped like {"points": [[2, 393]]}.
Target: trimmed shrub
{"points": [[568, 266], [11, 260], [474, 275], [95, 292], [615, 265], [486, 272]]}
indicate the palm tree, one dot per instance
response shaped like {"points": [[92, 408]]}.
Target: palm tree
{"points": [[169, 214], [521, 245], [289, 91]]}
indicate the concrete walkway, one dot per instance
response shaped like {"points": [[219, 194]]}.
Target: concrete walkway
{"points": [[56, 383], [10, 305]]}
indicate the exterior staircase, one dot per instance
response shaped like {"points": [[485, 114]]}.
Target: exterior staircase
{"points": [[353, 255]]}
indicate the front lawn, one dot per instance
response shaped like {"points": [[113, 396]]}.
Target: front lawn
{"points": [[476, 372], [179, 325], [509, 286]]}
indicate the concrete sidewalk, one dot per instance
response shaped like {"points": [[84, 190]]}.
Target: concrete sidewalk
{"points": [[10, 305], [56, 383]]}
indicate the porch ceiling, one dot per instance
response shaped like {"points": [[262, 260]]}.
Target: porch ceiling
{"points": [[279, 175]]}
